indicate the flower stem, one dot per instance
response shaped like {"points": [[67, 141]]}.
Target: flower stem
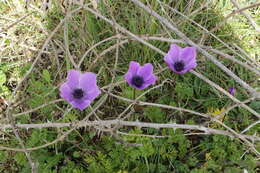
{"points": [[134, 94]]}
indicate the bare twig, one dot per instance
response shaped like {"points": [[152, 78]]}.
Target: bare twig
{"points": [[37, 58], [109, 123], [15, 22], [249, 18], [230, 108], [141, 135], [241, 10], [249, 127], [94, 46], [66, 42], [226, 56], [39, 107], [16, 132]]}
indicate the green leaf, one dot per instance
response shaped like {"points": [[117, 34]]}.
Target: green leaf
{"points": [[46, 75], [76, 154], [20, 158], [2, 78], [155, 114], [255, 105], [52, 162], [183, 91]]}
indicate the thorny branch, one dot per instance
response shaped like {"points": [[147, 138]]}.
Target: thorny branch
{"points": [[104, 124]]}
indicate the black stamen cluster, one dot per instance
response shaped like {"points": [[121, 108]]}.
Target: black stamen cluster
{"points": [[78, 93], [178, 66], [137, 81]]}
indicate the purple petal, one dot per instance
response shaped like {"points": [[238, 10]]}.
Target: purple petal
{"points": [[128, 76], [168, 60], [151, 80], [82, 104], [174, 52], [141, 87], [188, 54], [65, 92], [232, 91], [133, 68], [93, 94], [73, 78], [172, 56], [183, 71], [170, 65], [88, 81], [145, 71], [191, 65]]}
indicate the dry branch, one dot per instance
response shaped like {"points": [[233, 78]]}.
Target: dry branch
{"points": [[249, 18], [103, 124]]}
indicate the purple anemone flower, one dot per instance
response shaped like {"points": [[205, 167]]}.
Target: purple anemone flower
{"points": [[181, 60], [80, 89], [140, 77], [232, 91]]}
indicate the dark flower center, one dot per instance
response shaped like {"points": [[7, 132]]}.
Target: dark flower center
{"points": [[137, 81], [178, 66], [78, 93]]}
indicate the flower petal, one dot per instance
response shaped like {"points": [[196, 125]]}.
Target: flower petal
{"points": [[93, 94], [65, 92], [188, 54], [80, 104], [174, 52], [232, 91], [73, 78], [151, 80], [140, 88], [191, 65], [172, 56], [128, 77], [145, 71], [133, 68], [88, 81]]}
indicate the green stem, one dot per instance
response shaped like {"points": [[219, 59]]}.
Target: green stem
{"points": [[134, 94]]}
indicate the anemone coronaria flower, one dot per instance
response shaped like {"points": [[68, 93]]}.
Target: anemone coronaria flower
{"points": [[80, 89], [140, 77], [181, 60]]}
